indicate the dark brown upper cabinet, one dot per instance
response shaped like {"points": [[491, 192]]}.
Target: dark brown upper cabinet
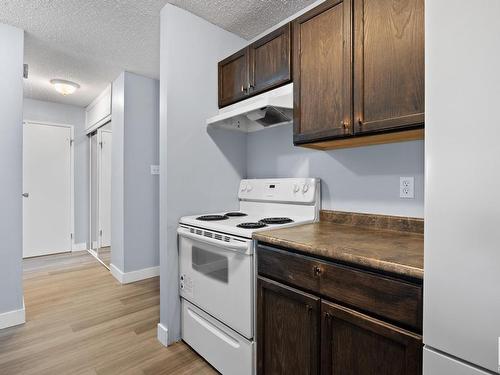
{"points": [[359, 73], [287, 330], [353, 343], [263, 65], [270, 60], [233, 78], [388, 64], [322, 72]]}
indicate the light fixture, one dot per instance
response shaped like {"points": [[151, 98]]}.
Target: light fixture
{"points": [[64, 87]]}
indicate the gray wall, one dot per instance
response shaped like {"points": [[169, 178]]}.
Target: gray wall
{"points": [[360, 179], [135, 149], [364, 179], [11, 118], [200, 171], [37, 110]]}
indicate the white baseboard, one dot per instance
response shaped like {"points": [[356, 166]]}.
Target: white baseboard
{"points": [[162, 334], [13, 318], [133, 276], [79, 246]]}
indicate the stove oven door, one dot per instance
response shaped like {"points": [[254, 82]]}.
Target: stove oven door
{"points": [[217, 276]]}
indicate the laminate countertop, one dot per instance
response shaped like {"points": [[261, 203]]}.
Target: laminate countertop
{"points": [[381, 243]]}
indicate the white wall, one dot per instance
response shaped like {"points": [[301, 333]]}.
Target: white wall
{"points": [[135, 197], [36, 110], [202, 170], [11, 138], [364, 179]]}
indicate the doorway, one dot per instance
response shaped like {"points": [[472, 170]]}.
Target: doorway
{"points": [[47, 189], [100, 194]]}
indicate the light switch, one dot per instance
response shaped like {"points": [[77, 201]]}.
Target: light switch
{"points": [[155, 169]]}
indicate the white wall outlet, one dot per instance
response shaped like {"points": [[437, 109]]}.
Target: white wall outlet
{"points": [[407, 187], [155, 169]]}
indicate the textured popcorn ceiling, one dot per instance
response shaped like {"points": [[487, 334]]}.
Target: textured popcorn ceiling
{"points": [[86, 41], [91, 41], [246, 18]]}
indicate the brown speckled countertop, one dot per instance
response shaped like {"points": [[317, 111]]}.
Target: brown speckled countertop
{"points": [[383, 243]]}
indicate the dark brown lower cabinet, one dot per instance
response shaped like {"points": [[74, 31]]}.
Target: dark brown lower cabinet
{"points": [[355, 344], [287, 330]]}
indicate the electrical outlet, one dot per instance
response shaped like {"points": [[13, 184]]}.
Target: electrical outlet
{"points": [[406, 187]]}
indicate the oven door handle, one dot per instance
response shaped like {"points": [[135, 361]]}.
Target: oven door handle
{"points": [[243, 247]]}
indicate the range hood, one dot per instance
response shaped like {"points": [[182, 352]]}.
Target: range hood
{"points": [[269, 109]]}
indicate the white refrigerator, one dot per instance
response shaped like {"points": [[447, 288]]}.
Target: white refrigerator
{"points": [[462, 206]]}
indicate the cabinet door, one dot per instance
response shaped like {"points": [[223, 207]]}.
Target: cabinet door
{"points": [[270, 61], [322, 73], [287, 330], [233, 78], [353, 343], [388, 64]]}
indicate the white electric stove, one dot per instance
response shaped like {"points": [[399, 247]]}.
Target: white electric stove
{"points": [[217, 267]]}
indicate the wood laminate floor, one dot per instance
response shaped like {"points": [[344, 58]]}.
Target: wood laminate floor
{"points": [[81, 321]]}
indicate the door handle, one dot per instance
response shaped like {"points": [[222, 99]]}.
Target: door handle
{"points": [[26, 195]]}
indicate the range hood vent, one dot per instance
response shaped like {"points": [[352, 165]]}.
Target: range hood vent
{"points": [[269, 109]]}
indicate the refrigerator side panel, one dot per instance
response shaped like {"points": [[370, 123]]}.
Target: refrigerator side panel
{"points": [[462, 204]]}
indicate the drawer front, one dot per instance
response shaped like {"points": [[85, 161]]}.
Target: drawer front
{"points": [[388, 298], [219, 345], [290, 268], [385, 297]]}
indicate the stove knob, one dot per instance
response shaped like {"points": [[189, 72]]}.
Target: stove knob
{"points": [[249, 187], [296, 188], [243, 187], [305, 188]]}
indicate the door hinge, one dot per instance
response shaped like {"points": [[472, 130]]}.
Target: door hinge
{"points": [[71, 235], [100, 144], [100, 233]]}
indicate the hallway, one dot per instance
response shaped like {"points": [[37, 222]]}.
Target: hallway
{"points": [[80, 320]]}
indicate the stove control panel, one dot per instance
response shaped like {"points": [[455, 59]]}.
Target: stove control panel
{"points": [[296, 190]]}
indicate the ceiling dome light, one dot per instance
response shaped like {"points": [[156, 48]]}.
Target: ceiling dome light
{"points": [[64, 87]]}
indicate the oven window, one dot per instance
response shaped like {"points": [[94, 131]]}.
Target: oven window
{"points": [[210, 264]]}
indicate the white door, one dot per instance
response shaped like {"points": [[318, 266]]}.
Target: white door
{"points": [[105, 139], [47, 189]]}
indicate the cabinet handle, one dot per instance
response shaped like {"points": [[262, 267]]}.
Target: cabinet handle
{"points": [[344, 124], [360, 122], [317, 271], [243, 89], [328, 316], [309, 308], [250, 86]]}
